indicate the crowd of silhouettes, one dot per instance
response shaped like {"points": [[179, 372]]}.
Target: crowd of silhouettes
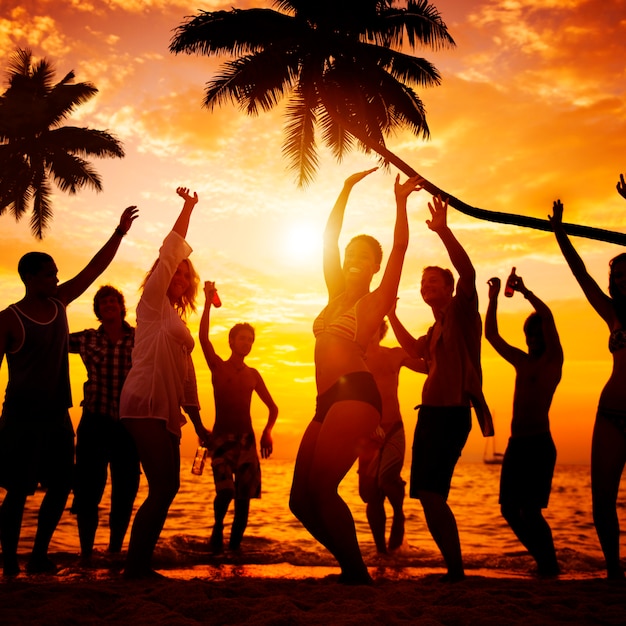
{"points": [[141, 387]]}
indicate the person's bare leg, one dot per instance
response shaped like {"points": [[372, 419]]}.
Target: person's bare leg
{"points": [[608, 456], [50, 512], [346, 428], [160, 459], [11, 514], [377, 519], [221, 503], [442, 526], [240, 522], [395, 494], [301, 501]]}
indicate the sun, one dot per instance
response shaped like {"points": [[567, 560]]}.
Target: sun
{"points": [[303, 242]]}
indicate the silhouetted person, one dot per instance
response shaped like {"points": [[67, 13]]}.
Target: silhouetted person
{"points": [[530, 456], [608, 446], [101, 439], [349, 405], [235, 462], [381, 462], [451, 350], [36, 433], [161, 381]]}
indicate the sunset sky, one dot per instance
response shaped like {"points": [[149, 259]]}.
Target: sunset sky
{"points": [[531, 108]]}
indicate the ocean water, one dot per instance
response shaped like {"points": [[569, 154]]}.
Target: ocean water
{"points": [[276, 541]]}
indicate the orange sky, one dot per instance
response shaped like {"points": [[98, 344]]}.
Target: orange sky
{"points": [[531, 109]]}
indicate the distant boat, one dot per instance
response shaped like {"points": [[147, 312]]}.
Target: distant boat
{"points": [[490, 456]]}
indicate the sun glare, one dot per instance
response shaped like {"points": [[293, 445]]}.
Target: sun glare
{"points": [[303, 243]]}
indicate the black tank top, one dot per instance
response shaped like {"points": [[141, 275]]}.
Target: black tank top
{"points": [[39, 385]]}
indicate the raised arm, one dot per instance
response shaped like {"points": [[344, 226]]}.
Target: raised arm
{"points": [[459, 258], [548, 326], [73, 288], [182, 222], [210, 355], [596, 297], [404, 337], [267, 445], [492, 333], [387, 291], [333, 274]]}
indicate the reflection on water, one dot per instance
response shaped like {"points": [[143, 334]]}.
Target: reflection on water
{"points": [[275, 536]]}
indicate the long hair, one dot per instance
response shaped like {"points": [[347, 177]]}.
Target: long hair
{"points": [[619, 299], [187, 302]]}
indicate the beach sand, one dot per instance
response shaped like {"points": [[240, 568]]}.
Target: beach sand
{"points": [[284, 594]]}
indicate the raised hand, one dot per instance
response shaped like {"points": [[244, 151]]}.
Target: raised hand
{"points": [[127, 218], [556, 219], [494, 287], [358, 177], [403, 190], [519, 285], [438, 213], [183, 192], [621, 186]]}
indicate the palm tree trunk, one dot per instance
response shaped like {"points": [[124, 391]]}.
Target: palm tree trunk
{"points": [[482, 214]]}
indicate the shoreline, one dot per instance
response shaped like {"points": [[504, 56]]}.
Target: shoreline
{"points": [[285, 594]]}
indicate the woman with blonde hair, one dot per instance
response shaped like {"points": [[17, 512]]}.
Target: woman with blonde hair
{"points": [[161, 381]]}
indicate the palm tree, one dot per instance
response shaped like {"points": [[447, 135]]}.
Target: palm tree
{"points": [[35, 148], [342, 66]]}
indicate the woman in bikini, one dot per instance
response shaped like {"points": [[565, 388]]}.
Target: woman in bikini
{"points": [[608, 447], [348, 403]]}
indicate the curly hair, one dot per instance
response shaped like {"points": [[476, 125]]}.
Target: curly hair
{"points": [[104, 292]]}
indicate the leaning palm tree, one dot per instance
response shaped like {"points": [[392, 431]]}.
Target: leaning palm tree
{"points": [[35, 148], [343, 67]]}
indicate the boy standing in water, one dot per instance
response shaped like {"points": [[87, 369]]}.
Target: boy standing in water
{"points": [[529, 459], [380, 464], [235, 463]]}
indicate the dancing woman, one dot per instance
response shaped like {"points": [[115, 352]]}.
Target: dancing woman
{"points": [[161, 381], [608, 446], [348, 406]]}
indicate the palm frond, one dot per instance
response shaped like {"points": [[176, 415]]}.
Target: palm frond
{"points": [[71, 173], [334, 135], [233, 32], [63, 99], [420, 23], [42, 206], [299, 145], [254, 81], [84, 142]]}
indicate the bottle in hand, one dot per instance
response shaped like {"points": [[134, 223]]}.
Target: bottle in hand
{"points": [[198, 462], [216, 302], [511, 281]]}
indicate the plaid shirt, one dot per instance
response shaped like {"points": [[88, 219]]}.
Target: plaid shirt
{"points": [[107, 365]]}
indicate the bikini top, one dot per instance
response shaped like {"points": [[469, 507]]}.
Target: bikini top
{"points": [[343, 326], [617, 340]]}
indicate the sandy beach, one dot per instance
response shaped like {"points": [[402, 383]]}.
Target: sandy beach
{"points": [[246, 596]]}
